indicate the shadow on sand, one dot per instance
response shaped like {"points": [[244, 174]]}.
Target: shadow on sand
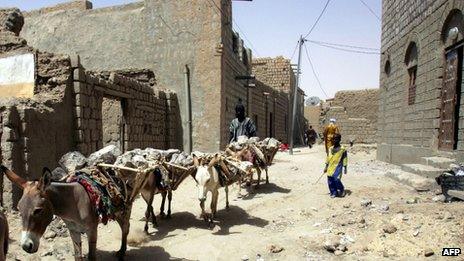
{"points": [[141, 253], [264, 189]]}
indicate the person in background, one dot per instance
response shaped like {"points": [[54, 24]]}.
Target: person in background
{"points": [[311, 136], [336, 163], [329, 132], [241, 125]]}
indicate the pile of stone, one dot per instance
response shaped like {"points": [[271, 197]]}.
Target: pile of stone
{"points": [[137, 158]]}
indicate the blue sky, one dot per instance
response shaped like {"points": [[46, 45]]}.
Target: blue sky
{"points": [[273, 27]]}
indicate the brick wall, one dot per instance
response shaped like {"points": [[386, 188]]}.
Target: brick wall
{"points": [[159, 35], [147, 119], [313, 115], [416, 125], [278, 74], [356, 113]]}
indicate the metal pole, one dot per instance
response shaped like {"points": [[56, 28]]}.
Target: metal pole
{"points": [[295, 95], [188, 111]]}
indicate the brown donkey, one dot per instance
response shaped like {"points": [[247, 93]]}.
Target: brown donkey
{"points": [[42, 199]]}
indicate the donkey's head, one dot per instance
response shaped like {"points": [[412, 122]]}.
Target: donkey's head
{"points": [[35, 209], [203, 176]]}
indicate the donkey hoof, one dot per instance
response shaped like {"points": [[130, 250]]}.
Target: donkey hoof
{"points": [[162, 214], [146, 229]]}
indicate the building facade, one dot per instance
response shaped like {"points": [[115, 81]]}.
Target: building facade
{"points": [[190, 45], [420, 102]]}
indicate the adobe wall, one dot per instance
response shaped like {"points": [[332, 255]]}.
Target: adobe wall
{"points": [[64, 112], [146, 122], [278, 74], [163, 36], [356, 113], [407, 132], [313, 115]]}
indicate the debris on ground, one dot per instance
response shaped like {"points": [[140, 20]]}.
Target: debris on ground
{"points": [[389, 228], [275, 249]]}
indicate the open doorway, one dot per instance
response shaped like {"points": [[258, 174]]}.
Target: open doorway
{"points": [[113, 122]]}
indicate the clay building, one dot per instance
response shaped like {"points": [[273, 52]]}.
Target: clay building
{"points": [[279, 75], [50, 105], [421, 117], [189, 45]]}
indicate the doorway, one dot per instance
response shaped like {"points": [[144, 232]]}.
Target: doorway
{"points": [[113, 122], [450, 100]]}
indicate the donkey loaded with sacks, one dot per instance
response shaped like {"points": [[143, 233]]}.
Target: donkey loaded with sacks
{"points": [[94, 194]]}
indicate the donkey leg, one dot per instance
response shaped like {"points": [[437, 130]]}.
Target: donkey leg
{"points": [[239, 191], [92, 236], [77, 244], [169, 203], [214, 200], [125, 225], [267, 176], [203, 212], [148, 197], [258, 171], [226, 189], [163, 201]]}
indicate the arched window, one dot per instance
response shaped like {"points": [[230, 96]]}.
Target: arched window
{"points": [[453, 27], [387, 67], [411, 65]]}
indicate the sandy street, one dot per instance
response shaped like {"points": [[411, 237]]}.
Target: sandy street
{"points": [[290, 216]]}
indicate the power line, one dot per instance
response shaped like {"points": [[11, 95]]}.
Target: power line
{"points": [[318, 18], [238, 27], [344, 45], [370, 10], [314, 71], [346, 50]]}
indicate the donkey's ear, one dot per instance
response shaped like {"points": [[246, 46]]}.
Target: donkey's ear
{"points": [[196, 163], [46, 178]]}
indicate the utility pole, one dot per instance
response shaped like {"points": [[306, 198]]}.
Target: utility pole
{"points": [[295, 94]]}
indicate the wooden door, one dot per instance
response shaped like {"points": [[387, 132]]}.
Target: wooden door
{"points": [[449, 99]]}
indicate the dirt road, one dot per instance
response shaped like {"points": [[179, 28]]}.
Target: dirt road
{"points": [[290, 216]]}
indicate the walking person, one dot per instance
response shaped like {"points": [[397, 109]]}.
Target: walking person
{"points": [[241, 125], [329, 132], [336, 163], [311, 136]]}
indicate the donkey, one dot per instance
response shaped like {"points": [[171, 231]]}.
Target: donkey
{"points": [[248, 153], [148, 191], [208, 178], [3, 236], [42, 199]]}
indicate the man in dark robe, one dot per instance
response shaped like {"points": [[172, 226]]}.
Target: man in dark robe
{"points": [[241, 125]]}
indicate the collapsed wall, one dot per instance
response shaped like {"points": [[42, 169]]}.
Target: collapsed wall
{"points": [[51, 105], [356, 114]]}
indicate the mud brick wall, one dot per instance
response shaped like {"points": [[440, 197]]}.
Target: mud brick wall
{"points": [[236, 62], [278, 73], [313, 114], [407, 132], [159, 35], [148, 120], [356, 113], [275, 72]]}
